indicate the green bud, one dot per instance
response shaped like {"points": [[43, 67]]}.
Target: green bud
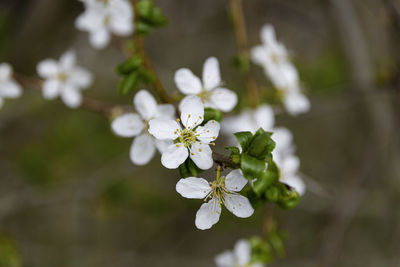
{"points": [[212, 114], [128, 83], [129, 65], [144, 28], [144, 8], [158, 18]]}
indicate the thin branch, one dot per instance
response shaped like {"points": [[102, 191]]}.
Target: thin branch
{"points": [[239, 24], [225, 161]]}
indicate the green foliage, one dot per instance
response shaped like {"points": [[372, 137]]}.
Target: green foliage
{"points": [[9, 255], [212, 114], [129, 65], [242, 63], [261, 251], [243, 139], [128, 84], [150, 17], [189, 168]]}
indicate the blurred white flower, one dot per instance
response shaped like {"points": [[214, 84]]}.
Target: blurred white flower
{"points": [[191, 139], [273, 57], [223, 191], [64, 78], [105, 17], [209, 91], [9, 88], [239, 257], [133, 125]]}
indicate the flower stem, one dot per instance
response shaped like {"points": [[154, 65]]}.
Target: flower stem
{"points": [[252, 89]]}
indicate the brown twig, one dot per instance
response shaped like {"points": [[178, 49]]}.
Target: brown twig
{"points": [[239, 24], [225, 161]]}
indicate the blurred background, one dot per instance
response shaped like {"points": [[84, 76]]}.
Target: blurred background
{"points": [[70, 197]]}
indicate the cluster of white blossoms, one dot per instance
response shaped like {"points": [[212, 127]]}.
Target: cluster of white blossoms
{"points": [[102, 18], [209, 90], [223, 191], [64, 78], [273, 57], [9, 88], [263, 116], [137, 125], [239, 257]]}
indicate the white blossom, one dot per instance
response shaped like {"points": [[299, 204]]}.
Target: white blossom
{"points": [[102, 18], [9, 88], [64, 78], [209, 90], [239, 257], [190, 141], [136, 125], [223, 191], [273, 57]]}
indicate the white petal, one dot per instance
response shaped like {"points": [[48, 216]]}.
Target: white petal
{"points": [[264, 117], [5, 71], [121, 26], [51, 89], [211, 74], [165, 111], [193, 187], [47, 68], [127, 125], [235, 180], [283, 138], [142, 149], [10, 89], [174, 155], [290, 164], [192, 111], [268, 34], [242, 252], [223, 99], [80, 77], [201, 154], [68, 60], [259, 55], [225, 259], [296, 182], [296, 103], [99, 38], [162, 145], [238, 205], [209, 132], [145, 104], [208, 214], [164, 129], [187, 82], [71, 96]]}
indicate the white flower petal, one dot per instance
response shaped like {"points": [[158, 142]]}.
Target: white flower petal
{"points": [[211, 74], [225, 259], [165, 111], [10, 89], [174, 155], [99, 38], [296, 182], [68, 60], [283, 138], [296, 103], [145, 104], [201, 154], [268, 34], [264, 117], [164, 129], [209, 132], [162, 145], [127, 125], [121, 26], [142, 149], [290, 164], [193, 187], [235, 180], [80, 77], [5, 71], [192, 111], [71, 96], [47, 68], [187, 82], [259, 55], [208, 214], [242, 252], [223, 99], [238, 205], [51, 89]]}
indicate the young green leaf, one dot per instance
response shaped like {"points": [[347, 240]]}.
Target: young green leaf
{"points": [[244, 139]]}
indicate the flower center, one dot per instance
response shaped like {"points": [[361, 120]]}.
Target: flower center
{"points": [[218, 190], [62, 77], [187, 137], [275, 58], [204, 95]]}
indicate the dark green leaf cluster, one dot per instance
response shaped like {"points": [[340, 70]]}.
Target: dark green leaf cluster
{"points": [[149, 18], [256, 162], [132, 72]]}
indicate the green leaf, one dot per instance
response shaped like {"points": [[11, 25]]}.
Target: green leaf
{"points": [[158, 18], [212, 114], [244, 139], [146, 76], [289, 198], [184, 170], [255, 200], [266, 178], [272, 193], [129, 65], [189, 168], [261, 145], [233, 150], [144, 8], [242, 63], [261, 251], [251, 167], [128, 83], [144, 28]]}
